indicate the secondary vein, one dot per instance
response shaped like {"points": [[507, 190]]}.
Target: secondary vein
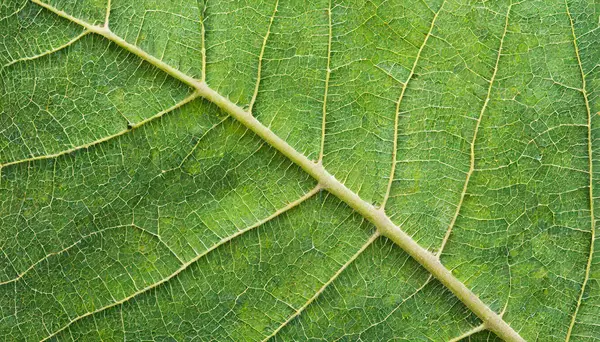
{"points": [[325, 93], [327, 181], [48, 52], [591, 175], [260, 58], [187, 264], [325, 285], [469, 173], [130, 127], [472, 144], [397, 114]]}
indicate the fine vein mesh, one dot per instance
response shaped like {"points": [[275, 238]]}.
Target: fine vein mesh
{"points": [[587, 34], [244, 289], [388, 311], [28, 30], [100, 225], [374, 46], [293, 78], [384, 295], [235, 32], [522, 238], [137, 207], [86, 92], [438, 116], [171, 30]]}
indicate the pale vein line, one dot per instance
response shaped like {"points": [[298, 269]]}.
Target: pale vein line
{"points": [[108, 34], [591, 175], [383, 223], [322, 289], [478, 328], [200, 140], [389, 74], [327, 76], [106, 138], [108, 5], [260, 58], [157, 236], [414, 293], [203, 40], [51, 51], [466, 334], [84, 237], [192, 261], [47, 256], [472, 167], [397, 114], [472, 150], [15, 12]]}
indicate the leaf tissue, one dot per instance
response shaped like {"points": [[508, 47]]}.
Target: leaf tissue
{"points": [[294, 170]]}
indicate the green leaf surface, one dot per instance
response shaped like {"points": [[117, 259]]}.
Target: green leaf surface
{"points": [[299, 170]]}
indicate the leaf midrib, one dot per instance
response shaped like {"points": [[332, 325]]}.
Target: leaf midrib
{"points": [[327, 181]]}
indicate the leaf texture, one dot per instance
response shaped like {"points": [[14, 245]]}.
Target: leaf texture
{"points": [[135, 206]]}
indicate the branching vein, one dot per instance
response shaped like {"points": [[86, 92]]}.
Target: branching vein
{"points": [[399, 102], [203, 42], [327, 76], [322, 288], [471, 332], [327, 181], [49, 52], [590, 173], [188, 99], [187, 264], [472, 143], [260, 58]]}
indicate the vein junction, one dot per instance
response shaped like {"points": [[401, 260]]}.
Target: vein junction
{"points": [[327, 181]]}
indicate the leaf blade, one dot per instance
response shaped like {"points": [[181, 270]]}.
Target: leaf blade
{"points": [[340, 189]]}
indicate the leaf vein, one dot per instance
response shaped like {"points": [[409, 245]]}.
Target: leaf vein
{"points": [[590, 172], [48, 52], [260, 58], [131, 127], [474, 139], [399, 102], [327, 181], [326, 91], [325, 285], [192, 261]]}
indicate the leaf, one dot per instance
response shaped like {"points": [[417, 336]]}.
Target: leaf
{"points": [[294, 170]]}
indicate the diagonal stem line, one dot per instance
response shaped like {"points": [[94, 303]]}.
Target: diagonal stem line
{"points": [[591, 175], [327, 181], [383, 223], [108, 34], [187, 264], [469, 173], [324, 287]]}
